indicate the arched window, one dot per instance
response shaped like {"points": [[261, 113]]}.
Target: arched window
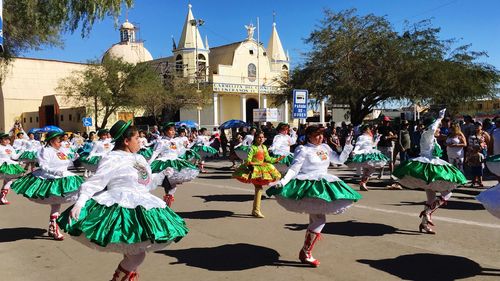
{"points": [[178, 63], [284, 68], [252, 72]]}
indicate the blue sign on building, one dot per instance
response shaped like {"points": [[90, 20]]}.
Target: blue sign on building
{"points": [[87, 121], [300, 104]]}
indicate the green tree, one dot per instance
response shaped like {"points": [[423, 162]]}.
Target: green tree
{"points": [[361, 61], [107, 86], [30, 24]]}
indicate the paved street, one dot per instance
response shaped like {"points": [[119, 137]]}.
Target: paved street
{"points": [[377, 239]]}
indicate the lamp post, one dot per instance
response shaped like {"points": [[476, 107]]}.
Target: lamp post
{"points": [[196, 23]]}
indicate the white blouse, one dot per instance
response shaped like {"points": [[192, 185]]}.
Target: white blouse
{"points": [[428, 140], [311, 162], [247, 141], [101, 148], [281, 144], [364, 144], [127, 179], [32, 145], [8, 154], [144, 143], [168, 149], [18, 144], [53, 163], [202, 140]]}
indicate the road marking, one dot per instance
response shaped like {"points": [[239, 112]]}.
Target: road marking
{"points": [[445, 219]]}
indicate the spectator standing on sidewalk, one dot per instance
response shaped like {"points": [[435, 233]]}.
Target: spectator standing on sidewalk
{"points": [[455, 146], [386, 143], [403, 142]]}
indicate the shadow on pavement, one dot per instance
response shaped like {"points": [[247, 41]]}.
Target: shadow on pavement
{"points": [[430, 267], [228, 197], [452, 205], [21, 233], [354, 228], [229, 257], [214, 177], [205, 215]]}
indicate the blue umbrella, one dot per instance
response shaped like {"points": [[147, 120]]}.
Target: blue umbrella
{"points": [[51, 128], [233, 124], [186, 123], [34, 130]]}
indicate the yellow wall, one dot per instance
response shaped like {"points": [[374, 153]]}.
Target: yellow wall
{"points": [[25, 84], [230, 108]]}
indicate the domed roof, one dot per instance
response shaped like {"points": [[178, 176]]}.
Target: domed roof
{"points": [[127, 25], [130, 52]]}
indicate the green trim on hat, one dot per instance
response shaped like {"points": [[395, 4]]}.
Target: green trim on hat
{"points": [[121, 130], [51, 135], [3, 135], [428, 122], [281, 125]]}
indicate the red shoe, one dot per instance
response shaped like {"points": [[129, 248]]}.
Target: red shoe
{"points": [[54, 228], [123, 275], [305, 254], [3, 197], [169, 199]]}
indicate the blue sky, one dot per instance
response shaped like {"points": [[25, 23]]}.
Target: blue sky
{"points": [[475, 22]]}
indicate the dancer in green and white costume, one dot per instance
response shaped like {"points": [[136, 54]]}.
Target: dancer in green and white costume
{"points": [[430, 173], [201, 145], [29, 152], [146, 147], [166, 155], [366, 157], [52, 183], [242, 149], [115, 211], [9, 169], [186, 153], [100, 148], [281, 147], [308, 188]]}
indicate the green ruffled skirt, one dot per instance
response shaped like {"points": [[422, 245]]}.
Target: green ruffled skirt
{"points": [[493, 164], [430, 172], [204, 149], [315, 196], [190, 155], [318, 189], [360, 158], [28, 155], [177, 164], [124, 230], [146, 152], [33, 187], [260, 175], [285, 161], [416, 174], [94, 160], [10, 170]]}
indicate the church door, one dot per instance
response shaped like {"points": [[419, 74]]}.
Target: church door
{"points": [[251, 105]]}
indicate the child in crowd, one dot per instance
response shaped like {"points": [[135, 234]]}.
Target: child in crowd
{"points": [[476, 163]]}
